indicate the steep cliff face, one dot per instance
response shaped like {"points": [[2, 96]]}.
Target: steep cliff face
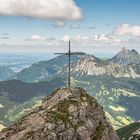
{"points": [[67, 114]]}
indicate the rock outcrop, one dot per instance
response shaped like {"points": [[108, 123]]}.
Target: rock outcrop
{"points": [[67, 114]]}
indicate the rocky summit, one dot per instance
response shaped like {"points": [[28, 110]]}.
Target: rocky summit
{"points": [[67, 114]]}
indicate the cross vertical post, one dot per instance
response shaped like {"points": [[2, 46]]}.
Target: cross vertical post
{"points": [[69, 64], [69, 53]]}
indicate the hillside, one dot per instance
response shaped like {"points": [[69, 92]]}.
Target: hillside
{"points": [[114, 87], [20, 91], [120, 97], [65, 114], [44, 69], [17, 98], [130, 132]]}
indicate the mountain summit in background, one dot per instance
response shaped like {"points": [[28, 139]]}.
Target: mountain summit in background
{"points": [[126, 56], [68, 114]]}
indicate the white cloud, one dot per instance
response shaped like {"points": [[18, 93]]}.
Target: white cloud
{"points": [[126, 29], [43, 9], [107, 38], [97, 40], [101, 37], [66, 38], [38, 37], [77, 39], [109, 43]]}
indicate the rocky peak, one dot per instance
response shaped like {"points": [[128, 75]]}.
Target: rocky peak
{"points": [[67, 114], [87, 60], [89, 65], [124, 50], [126, 56], [123, 53]]}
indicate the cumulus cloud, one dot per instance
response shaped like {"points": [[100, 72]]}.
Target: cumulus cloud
{"points": [[109, 42], [126, 29], [90, 41], [38, 38], [107, 38], [76, 39], [42, 9]]}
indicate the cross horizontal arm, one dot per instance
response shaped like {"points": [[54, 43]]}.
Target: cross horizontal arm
{"points": [[60, 53], [78, 53], [72, 53]]}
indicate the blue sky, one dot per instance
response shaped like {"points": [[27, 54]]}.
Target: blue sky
{"points": [[94, 26]]}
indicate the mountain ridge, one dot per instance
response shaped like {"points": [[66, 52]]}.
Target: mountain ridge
{"points": [[126, 56], [44, 69], [20, 91], [124, 64]]}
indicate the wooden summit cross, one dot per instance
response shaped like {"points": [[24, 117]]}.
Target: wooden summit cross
{"points": [[69, 61]]}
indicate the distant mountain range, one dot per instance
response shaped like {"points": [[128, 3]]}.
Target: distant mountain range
{"points": [[114, 82], [45, 69], [125, 64]]}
